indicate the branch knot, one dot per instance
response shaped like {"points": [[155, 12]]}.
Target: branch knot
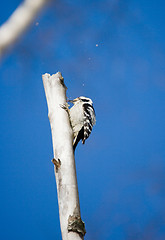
{"points": [[75, 224]]}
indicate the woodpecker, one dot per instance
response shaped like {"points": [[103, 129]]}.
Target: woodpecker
{"points": [[82, 117]]}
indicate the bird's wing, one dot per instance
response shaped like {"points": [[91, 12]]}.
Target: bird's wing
{"points": [[88, 120]]}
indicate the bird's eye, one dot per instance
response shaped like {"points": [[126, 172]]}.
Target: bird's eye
{"points": [[84, 100]]}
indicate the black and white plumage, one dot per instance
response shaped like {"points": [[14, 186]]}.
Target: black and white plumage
{"points": [[82, 117]]}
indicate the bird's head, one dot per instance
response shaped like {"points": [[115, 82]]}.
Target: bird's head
{"points": [[81, 99]]}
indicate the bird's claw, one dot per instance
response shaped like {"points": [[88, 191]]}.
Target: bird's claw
{"points": [[64, 106]]}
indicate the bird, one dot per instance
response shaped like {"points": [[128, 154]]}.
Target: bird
{"points": [[82, 117]]}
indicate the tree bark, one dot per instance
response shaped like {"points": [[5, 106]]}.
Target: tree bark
{"points": [[72, 227]]}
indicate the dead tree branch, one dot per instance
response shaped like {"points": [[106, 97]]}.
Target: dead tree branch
{"points": [[72, 227], [18, 22]]}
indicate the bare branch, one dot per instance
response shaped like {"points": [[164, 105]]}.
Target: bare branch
{"points": [[72, 227], [18, 22]]}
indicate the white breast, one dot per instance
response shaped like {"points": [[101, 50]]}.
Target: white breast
{"points": [[77, 117]]}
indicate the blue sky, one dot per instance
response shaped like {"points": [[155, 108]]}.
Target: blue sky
{"points": [[114, 53]]}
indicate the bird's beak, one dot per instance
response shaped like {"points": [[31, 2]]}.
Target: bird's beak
{"points": [[73, 101]]}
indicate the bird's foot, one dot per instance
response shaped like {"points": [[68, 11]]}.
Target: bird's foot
{"points": [[65, 106]]}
